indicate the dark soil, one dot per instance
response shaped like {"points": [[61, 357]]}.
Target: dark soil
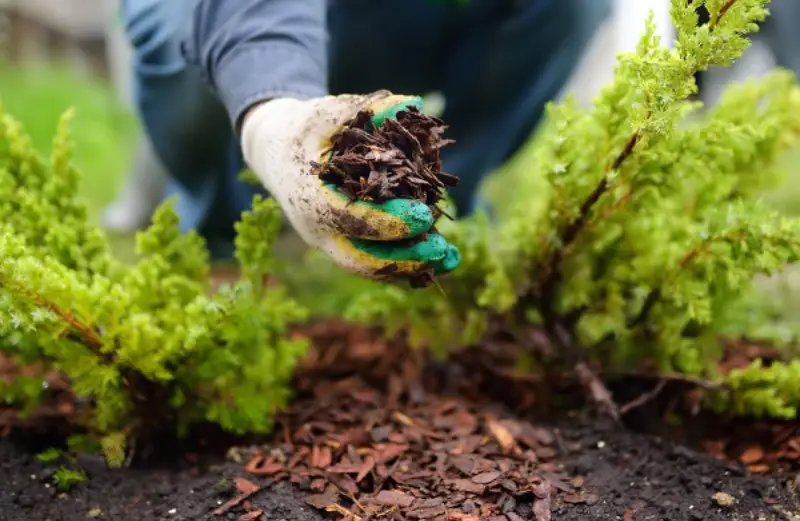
{"points": [[625, 476]]}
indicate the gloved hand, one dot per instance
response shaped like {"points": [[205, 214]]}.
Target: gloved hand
{"points": [[281, 138]]}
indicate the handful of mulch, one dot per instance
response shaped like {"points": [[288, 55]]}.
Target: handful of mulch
{"points": [[398, 160]]}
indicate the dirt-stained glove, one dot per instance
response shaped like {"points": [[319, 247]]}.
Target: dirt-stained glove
{"points": [[282, 137]]}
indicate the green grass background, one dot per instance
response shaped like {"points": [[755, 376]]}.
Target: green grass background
{"points": [[104, 132]]}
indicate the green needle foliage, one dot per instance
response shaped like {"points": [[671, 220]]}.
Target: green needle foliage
{"points": [[637, 231], [66, 478], [145, 346]]}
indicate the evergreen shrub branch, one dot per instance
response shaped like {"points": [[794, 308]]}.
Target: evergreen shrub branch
{"points": [[636, 232], [145, 346]]}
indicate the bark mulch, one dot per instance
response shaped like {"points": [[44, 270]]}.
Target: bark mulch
{"points": [[380, 432], [366, 454], [399, 159]]}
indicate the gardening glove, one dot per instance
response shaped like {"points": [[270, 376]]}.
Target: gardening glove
{"points": [[280, 140]]}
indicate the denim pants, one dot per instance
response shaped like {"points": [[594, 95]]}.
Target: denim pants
{"points": [[780, 33], [496, 68]]}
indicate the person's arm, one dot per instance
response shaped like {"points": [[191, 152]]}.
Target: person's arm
{"points": [[254, 50], [267, 61]]}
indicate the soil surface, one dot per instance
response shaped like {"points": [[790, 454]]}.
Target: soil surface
{"points": [[378, 431], [625, 476]]}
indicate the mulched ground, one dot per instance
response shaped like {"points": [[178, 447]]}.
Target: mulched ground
{"points": [[621, 476], [379, 432]]}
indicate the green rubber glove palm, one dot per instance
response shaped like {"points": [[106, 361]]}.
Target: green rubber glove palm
{"points": [[282, 137]]}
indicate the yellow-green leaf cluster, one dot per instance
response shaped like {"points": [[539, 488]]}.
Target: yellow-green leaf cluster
{"points": [[142, 344]]}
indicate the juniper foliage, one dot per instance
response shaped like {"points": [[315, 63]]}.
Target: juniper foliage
{"points": [[145, 345], [635, 228]]}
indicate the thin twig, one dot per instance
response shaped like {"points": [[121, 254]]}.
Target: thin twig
{"points": [[643, 398], [619, 203], [713, 23], [552, 271], [81, 332], [598, 390], [649, 302], [696, 381], [706, 244], [588, 378], [90, 338]]}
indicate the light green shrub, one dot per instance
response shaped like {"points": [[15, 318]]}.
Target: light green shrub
{"points": [[143, 345], [637, 229]]}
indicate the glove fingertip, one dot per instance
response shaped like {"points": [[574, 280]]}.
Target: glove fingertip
{"points": [[451, 261], [416, 215], [432, 249]]}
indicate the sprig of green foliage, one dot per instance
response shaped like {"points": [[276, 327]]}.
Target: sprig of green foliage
{"points": [[145, 344], [65, 478], [637, 230]]}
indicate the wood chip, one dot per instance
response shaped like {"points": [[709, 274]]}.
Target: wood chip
{"points": [[541, 509], [752, 455], [501, 434], [251, 516], [246, 489], [486, 477], [465, 485], [366, 467], [393, 498], [245, 486], [324, 500]]}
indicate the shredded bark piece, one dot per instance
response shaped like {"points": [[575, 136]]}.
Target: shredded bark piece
{"points": [[325, 499], [251, 516], [393, 498]]}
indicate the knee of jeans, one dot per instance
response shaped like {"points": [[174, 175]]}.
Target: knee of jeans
{"points": [[153, 31]]}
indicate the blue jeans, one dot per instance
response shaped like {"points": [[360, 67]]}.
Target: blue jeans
{"points": [[779, 31], [496, 68]]}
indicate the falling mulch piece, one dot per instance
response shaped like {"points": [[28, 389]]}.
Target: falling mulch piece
{"points": [[435, 458], [398, 160]]}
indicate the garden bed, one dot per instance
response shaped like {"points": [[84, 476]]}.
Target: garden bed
{"points": [[627, 251], [427, 441]]}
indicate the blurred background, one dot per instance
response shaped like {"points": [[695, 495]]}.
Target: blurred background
{"points": [[56, 54]]}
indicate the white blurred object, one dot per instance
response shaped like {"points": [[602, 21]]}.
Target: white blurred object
{"points": [[76, 18], [119, 57], [144, 185], [631, 17], [68, 31], [141, 194], [621, 32], [756, 62]]}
